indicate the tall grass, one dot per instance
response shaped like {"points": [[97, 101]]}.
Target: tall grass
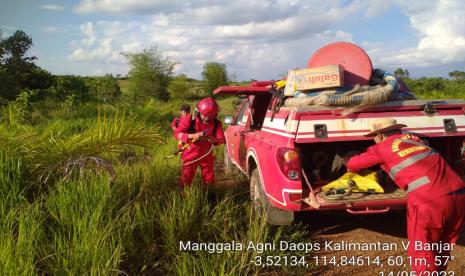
{"points": [[20, 221], [86, 234], [91, 224], [21, 234], [60, 213]]}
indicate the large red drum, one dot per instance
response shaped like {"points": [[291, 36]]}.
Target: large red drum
{"points": [[355, 61]]}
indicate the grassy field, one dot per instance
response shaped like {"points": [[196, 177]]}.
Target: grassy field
{"points": [[85, 190]]}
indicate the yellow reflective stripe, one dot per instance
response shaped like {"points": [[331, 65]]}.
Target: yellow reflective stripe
{"points": [[410, 150]]}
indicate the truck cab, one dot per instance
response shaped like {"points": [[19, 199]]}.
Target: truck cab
{"points": [[288, 152]]}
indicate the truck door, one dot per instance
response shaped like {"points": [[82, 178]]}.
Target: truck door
{"points": [[236, 133]]}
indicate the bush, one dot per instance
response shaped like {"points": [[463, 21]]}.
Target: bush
{"points": [[179, 88], [104, 88], [150, 74], [65, 86], [215, 75]]}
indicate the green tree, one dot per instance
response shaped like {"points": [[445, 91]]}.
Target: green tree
{"points": [[14, 48], [427, 85], [70, 86], [215, 75], [399, 72], [150, 73], [179, 87], [457, 75], [17, 70], [2, 50], [105, 88], [435, 84]]}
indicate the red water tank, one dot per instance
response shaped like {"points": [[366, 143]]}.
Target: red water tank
{"points": [[355, 61]]}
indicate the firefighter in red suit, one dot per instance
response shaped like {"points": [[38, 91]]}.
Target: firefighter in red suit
{"points": [[185, 115], [436, 194], [202, 135]]}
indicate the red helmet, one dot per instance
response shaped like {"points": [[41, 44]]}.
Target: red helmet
{"points": [[208, 107]]}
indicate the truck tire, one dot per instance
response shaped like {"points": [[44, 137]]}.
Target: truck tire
{"points": [[257, 195], [261, 207], [228, 165]]}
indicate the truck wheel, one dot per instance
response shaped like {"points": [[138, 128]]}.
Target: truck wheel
{"points": [[261, 206], [228, 165], [257, 195]]}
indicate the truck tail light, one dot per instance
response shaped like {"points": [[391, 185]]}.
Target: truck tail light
{"points": [[289, 162], [295, 197]]}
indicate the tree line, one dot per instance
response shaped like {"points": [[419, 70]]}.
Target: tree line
{"points": [[435, 87], [151, 76], [19, 75]]}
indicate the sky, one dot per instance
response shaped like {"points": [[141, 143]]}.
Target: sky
{"points": [[256, 39]]}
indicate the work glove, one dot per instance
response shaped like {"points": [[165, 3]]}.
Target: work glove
{"points": [[196, 136]]}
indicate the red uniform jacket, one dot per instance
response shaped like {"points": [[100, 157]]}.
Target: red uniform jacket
{"points": [[412, 165], [201, 147], [177, 121]]}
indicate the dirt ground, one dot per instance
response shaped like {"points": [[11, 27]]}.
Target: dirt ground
{"points": [[387, 228]]}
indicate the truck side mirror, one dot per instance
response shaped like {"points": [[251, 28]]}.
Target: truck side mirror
{"points": [[228, 120]]}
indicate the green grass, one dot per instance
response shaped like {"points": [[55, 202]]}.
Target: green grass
{"points": [[86, 233], [85, 190], [85, 222]]}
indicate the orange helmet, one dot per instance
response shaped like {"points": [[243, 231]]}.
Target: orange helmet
{"points": [[208, 107]]}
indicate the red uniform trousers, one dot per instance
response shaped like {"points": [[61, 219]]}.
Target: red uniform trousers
{"points": [[200, 150], [206, 168], [435, 222]]}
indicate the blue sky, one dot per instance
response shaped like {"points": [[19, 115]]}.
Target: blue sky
{"points": [[259, 39]]}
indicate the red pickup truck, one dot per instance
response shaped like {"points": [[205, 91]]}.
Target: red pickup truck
{"points": [[287, 151]]}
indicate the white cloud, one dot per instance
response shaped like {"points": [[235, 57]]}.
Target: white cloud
{"points": [[235, 12], [99, 72], [125, 6], [440, 27], [256, 39], [116, 28], [105, 41], [376, 7], [79, 54], [53, 7], [89, 34], [131, 47], [295, 27]]}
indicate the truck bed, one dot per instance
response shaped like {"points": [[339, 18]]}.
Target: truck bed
{"points": [[323, 132]]}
